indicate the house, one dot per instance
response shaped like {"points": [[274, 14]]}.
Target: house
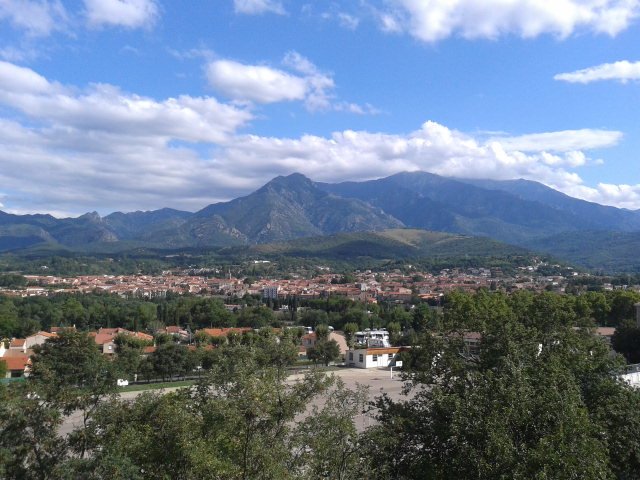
{"points": [[105, 338], [177, 332], [37, 339], [309, 341], [377, 357], [17, 344], [17, 364], [16, 361]]}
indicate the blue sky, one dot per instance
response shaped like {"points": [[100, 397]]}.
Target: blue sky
{"points": [[140, 104]]}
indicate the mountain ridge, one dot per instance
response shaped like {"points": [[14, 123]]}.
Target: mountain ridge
{"points": [[517, 212]]}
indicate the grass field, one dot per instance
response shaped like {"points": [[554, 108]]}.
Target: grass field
{"points": [[139, 387]]}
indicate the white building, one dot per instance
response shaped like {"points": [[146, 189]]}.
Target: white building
{"points": [[373, 338], [373, 357]]}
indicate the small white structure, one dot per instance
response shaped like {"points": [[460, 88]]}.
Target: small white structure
{"points": [[373, 338], [632, 377], [373, 357]]}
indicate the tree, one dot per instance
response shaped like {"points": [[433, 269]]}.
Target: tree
{"points": [[394, 332], [324, 351], [312, 318], [8, 318], [70, 374], [169, 360], [626, 341], [321, 332], [128, 355], [241, 422], [30, 447], [540, 399], [328, 441], [350, 330]]}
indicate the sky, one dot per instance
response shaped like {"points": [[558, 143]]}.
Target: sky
{"points": [[124, 105]]}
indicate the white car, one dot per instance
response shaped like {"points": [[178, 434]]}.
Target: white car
{"points": [[121, 382]]}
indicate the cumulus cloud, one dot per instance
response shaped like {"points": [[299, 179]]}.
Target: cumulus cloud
{"points": [[105, 108], [435, 20], [623, 71], [98, 144], [75, 149], [124, 13], [36, 18], [256, 7], [265, 84], [255, 83], [622, 196]]}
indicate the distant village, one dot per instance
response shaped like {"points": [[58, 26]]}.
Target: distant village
{"points": [[365, 286]]}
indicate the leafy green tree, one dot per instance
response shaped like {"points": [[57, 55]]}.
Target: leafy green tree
{"points": [[239, 423], [328, 441], [128, 355], [169, 360], [622, 306], [69, 373], [8, 318], [394, 330], [626, 341], [256, 317], [539, 399], [322, 332], [74, 313], [350, 330], [324, 351], [312, 318], [30, 447]]}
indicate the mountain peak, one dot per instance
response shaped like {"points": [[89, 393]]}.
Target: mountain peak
{"points": [[293, 181], [91, 216]]}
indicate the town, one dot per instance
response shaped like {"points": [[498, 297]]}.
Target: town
{"points": [[365, 286]]}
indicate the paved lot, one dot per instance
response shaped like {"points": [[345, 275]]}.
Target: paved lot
{"points": [[379, 381]]}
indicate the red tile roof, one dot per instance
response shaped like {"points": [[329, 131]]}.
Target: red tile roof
{"points": [[18, 362], [223, 332]]}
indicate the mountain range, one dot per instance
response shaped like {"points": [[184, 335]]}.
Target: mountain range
{"points": [[518, 212]]}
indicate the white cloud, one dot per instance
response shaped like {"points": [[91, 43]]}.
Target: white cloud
{"points": [[124, 13], [98, 144], [623, 71], [352, 155], [37, 18], [265, 84], [435, 20], [71, 149], [255, 83], [105, 109], [256, 7], [622, 196], [562, 141]]}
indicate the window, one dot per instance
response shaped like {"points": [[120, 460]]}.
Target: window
{"points": [[375, 358], [361, 358], [350, 355]]}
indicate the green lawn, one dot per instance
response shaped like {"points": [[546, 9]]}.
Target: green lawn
{"points": [[138, 387]]}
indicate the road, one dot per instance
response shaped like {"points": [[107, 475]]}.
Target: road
{"points": [[379, 382]]}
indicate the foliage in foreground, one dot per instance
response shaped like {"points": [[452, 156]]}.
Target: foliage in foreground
{"points": [[242, 421], [539, 398]]}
